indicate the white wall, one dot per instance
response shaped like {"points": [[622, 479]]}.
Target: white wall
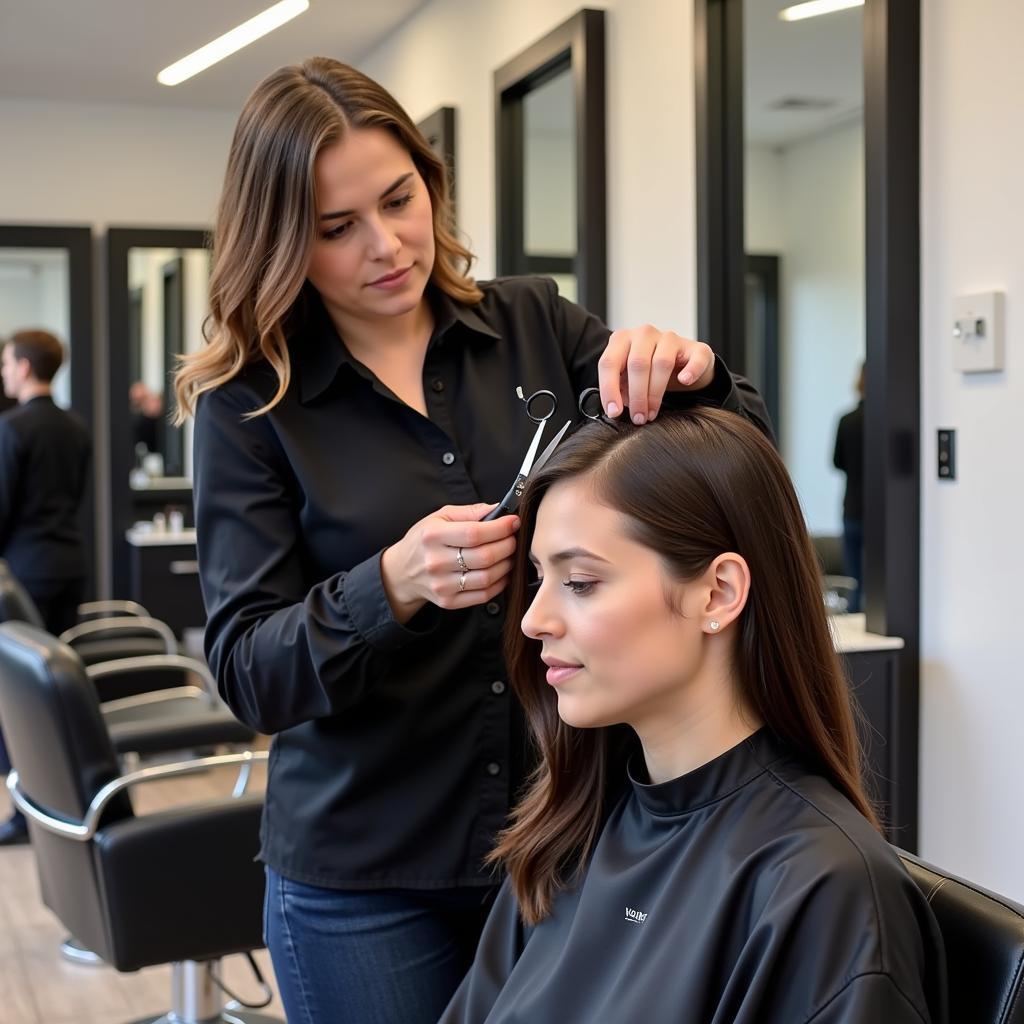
{"points": [[972, 239], [447, 53]]}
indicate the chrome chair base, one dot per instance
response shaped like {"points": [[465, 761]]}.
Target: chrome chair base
{"points": [[224, 1017], [71, 949]]}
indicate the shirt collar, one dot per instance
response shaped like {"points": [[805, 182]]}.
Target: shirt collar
{"points": [[710, 782], [322, 351]]}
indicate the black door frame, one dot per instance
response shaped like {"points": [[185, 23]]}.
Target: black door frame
{"points": [[78, 243], [121, 507], [892, 45], [577, 44]]}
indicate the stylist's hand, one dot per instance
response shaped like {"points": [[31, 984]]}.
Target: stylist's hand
{"points": [[641, 363], [424, 565]]}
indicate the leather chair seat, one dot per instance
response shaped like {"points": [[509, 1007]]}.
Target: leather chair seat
{"points": [[176, 724]]}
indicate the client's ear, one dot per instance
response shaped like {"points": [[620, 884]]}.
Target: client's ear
{"points": [[727, 582]]}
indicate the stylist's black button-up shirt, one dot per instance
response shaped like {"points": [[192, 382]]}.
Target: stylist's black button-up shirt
{"points": [[393, 763]]}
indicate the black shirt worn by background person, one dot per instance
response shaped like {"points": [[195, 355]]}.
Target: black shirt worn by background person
{"points": [[397, 747], [849, 457], [44, 465], [748, 891]]}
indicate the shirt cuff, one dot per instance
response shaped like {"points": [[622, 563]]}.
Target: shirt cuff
{"points": [[370, 611]]}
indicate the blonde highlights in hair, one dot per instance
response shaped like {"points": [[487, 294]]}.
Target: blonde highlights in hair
{"points": [[266, 219]]}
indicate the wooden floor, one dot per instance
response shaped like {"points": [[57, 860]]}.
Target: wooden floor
{"points": [[37, 986]]}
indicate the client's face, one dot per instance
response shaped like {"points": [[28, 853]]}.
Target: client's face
{"points": [[617, 650]]}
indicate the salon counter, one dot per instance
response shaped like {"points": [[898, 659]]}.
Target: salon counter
{"points": [[164, 576]]}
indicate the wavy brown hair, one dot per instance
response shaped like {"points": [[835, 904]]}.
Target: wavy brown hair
{"points": [[691, 485], [267, 216]]}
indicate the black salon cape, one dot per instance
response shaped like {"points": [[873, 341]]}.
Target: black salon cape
{"points": [[748, 891]]}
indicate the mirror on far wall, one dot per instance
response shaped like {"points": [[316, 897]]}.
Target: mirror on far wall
{"points": [[167, 303], [46, 284], [550, 161], [157, 295]]}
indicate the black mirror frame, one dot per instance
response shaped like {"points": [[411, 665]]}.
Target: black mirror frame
{"points": [[438, 128], [578, 44], [77, 240], [120, 513], [892, 527]]}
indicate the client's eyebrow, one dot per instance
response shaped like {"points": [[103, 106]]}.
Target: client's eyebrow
{"points": [[391, 188], [569, 554]]}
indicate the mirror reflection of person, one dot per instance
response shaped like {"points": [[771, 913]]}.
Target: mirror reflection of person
{"points": [[849, 457], [147, 410], [44, 463], [697, 843], [356, 404]]}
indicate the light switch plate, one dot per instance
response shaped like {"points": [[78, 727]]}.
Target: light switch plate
{"points": [[978, 332]]}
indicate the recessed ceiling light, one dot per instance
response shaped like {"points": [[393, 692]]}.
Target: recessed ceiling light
{"points": [[227, 44], [815, 7]]}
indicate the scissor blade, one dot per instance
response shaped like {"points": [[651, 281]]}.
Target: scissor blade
{"points": [[531, 452], [550, 450]]}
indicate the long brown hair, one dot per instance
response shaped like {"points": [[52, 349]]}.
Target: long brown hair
{"points": [[691, 485], [266, 219]]}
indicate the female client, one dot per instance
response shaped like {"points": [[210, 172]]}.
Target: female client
{"points": [[695, 845]]}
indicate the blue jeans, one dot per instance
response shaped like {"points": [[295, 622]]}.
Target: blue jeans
{"points": [[383, 956]]}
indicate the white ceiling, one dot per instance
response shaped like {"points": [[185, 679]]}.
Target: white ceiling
{"points": [[819, 58], [111, 50]]}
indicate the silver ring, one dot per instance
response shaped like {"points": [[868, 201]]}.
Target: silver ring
{"points": [[462, 562], [462, 582]]}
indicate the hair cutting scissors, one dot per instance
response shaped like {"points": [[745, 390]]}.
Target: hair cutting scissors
{"points": [[540, 407]]}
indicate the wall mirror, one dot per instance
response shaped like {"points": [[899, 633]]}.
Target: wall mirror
{"points": [[438, 129], [46, 282], [808, 268], [157, 287], [550, 161]]}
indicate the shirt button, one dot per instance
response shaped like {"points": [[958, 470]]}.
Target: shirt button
{"points": [[497, 686], [437, 385], [447, 458], [493, 607], [493, 768]]}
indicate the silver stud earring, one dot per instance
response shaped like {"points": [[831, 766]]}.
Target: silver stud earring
{"points": [[714, 625]]}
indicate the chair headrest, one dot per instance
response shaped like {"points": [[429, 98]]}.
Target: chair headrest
{"points": [[50, 714], [983, 933], [15, 603]]}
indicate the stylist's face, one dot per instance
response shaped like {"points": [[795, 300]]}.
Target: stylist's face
{"points": [[375, 233]]}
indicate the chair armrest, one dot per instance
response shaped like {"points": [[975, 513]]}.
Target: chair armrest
{"points": [[84, 830], [123, 624], [139, 700], [90, 608], [151, 662]]}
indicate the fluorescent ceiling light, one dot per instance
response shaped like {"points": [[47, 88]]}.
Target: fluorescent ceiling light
{"points": [[815, 7], [225, 45]]}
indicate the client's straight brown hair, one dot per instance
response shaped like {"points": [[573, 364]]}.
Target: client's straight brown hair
{"points": [[691, 485]]}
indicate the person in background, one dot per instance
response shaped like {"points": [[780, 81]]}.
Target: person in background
{"points": [[849, 457], [696, 844], [355, 415], [44, 465]]}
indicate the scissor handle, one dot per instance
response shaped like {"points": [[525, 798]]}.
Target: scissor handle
{"points": [[509, 503], [547, 401], [590, 404]]}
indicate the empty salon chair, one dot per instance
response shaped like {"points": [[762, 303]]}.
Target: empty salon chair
{"points": [[149, 699], [179, 886], [984, 938]]}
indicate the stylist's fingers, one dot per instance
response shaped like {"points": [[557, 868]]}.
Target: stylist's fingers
{"points": [[695, 364], [610, 368], [663, 364], [447, 531], [479, 585], [642, 344]]}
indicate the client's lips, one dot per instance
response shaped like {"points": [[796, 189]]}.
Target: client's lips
{"points": [[559, 671]]}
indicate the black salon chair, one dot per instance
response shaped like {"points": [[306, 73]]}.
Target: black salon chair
{"points": [[150, 701], [106, 631], [984, 938], [180, 886]]}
